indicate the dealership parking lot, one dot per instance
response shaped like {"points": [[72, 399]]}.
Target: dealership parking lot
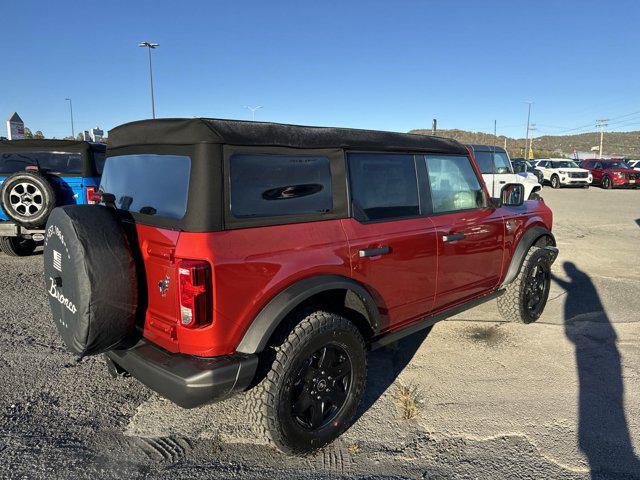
{"points": [[556, 399]]}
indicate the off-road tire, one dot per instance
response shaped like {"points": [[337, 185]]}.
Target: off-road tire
{"points": [[42, 202], [555, 181], [270, 399], [511, 304], [605, 183], [16, 246]]}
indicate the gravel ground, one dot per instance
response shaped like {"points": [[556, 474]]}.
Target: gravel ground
{"points": [[556, 399]]}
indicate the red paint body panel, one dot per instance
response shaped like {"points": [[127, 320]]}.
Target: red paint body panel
{"points": [[405, 278], [249, 267], [419, 276], [471, 266]]}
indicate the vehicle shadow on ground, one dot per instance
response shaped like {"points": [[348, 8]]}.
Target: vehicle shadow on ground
{"points": [[603, 432], [386, 364]]}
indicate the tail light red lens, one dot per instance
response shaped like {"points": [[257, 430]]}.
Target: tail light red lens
{"points": [[93, 197], [194, 281]]}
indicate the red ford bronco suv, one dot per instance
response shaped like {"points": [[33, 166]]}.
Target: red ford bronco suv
{"points": [[230, 256]]}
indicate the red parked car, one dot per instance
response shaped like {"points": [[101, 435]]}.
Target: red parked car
{"points": [[230, 256], [612, 173]]}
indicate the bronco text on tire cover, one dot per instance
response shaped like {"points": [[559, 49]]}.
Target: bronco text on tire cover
{"points": [[90, 278]]}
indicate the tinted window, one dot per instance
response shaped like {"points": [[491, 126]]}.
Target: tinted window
{"points": [[564, 164], [149, 184], [270, 185], [484, 161], [454, 185], [99, 159], [55, 162], [610, 165], [383, 186]]}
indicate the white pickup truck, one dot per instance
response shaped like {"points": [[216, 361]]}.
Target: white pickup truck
{"points": [[497, 171]]}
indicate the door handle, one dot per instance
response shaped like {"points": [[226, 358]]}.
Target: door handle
{"points": [[503, 181], [453, 237], [374, 252]]}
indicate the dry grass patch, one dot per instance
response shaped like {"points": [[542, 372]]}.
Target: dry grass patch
{"points": [[409, 401]]}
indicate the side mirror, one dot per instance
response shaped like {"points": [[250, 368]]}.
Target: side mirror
{"points": [[512, 195]]}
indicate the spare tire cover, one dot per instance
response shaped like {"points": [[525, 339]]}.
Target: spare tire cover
{"points": [[90, 278]]}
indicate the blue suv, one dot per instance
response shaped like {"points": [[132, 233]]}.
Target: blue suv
{"points": [[35, 177]]}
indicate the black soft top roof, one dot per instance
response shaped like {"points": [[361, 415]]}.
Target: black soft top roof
{"points": [[486, 148], [49, 144], [189, 131]]}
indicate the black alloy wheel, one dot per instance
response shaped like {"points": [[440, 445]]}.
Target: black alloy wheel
{"points": [[320, 387], [606, 182], [555, 182], [536, 288]]}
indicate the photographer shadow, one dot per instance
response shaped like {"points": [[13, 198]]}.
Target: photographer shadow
{"points": [[603, 432]]}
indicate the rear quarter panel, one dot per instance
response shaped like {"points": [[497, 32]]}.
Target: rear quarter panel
{"points": [[250, 266]]}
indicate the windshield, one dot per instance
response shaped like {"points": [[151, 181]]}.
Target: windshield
{"points": [[610, 165], [565, 164], [55, 162], [148, 184]]}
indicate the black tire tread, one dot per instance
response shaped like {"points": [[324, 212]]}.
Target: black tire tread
{"points": [[509, 303], [263, 397], [8, 247]]}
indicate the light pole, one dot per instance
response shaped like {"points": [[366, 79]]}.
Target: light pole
{"points": [[526, 140], [73, 132], [253, 111], [150, 46]]}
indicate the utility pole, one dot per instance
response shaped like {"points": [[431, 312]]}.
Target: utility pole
{"points": [[495, 132], [601, 124], [532, 128], [253, 111], [150, 46], [434, 126], [526, 140], [73, 132]]}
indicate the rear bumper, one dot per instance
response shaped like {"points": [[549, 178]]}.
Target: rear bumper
{"points": [[185, 380], [11, 229]]}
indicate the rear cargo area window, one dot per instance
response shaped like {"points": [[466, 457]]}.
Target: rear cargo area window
{"points": [[273, 185], [149, 184], [54, 162], [383, 185]]}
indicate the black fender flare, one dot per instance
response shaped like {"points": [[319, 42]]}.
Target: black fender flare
{"points": [[532, 236], [273, 313]]}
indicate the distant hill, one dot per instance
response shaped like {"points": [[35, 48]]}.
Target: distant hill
{"points": [[615, 143]]}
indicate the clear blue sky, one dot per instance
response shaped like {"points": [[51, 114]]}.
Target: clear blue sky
{"points": [[380, 64]]}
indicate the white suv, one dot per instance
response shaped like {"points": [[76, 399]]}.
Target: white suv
{"points": [[562, 172], [497, 171]]}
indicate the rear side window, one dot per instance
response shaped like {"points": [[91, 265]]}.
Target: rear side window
{"points": [[54, 162], [383, 186], [454, 185], [484, 161], [273, 185], [148, 184]]}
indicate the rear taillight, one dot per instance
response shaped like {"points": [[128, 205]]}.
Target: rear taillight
{"points": [[93, 197], [194, 281]]}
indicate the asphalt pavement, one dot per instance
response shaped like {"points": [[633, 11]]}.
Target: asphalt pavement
{"points": [[486, 399]]}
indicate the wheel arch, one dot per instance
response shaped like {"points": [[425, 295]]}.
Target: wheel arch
{"points": [[334, 290], [536, 235]]}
